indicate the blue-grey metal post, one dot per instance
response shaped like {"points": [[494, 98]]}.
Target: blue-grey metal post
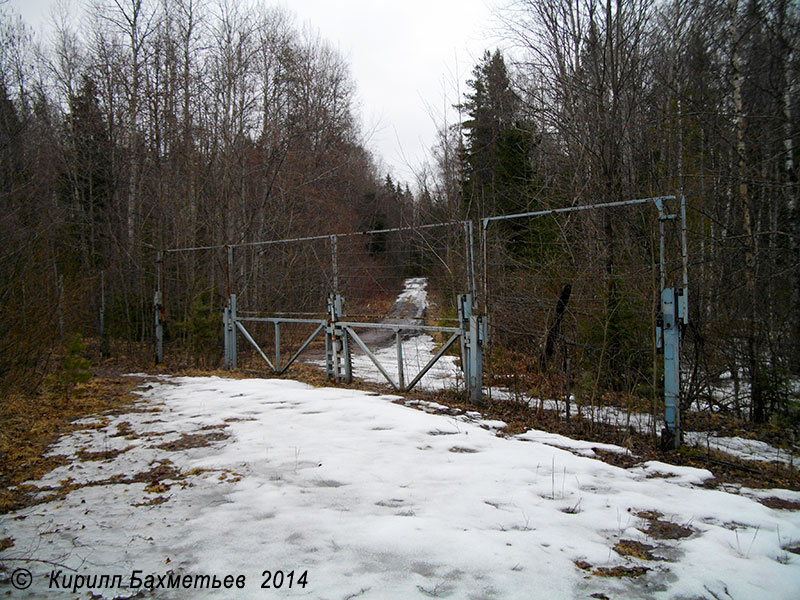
{"points": [[328, 352], [671, 307], [346, 357], [476, 360], [234, 353], [401, 379], [336, 346], [277, 346], [229, 322], [331, 357], [344, 369], [226, 335], [471, 358], [463, 323], [158, 309]]}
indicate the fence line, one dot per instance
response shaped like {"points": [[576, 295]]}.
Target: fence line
{"points": [[528, 261]]}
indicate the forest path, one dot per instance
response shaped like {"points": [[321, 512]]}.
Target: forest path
{"points": [[409, 308]]}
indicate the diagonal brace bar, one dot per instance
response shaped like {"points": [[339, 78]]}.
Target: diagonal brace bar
{"points": [[372, 357], [433, 360], [250, 339], [300, 350]]}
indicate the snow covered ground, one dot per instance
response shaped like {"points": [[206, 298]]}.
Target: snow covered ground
{"points": [[369, 498]]}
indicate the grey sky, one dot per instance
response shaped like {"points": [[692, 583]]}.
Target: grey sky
{"points": [[409, 58]]}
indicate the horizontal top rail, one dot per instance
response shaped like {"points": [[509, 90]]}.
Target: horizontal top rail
{"points": [[317, 237], [656, 200], [256, 313], [399, 326], [279, 320], [359, 324]]}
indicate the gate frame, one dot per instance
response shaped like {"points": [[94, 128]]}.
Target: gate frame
{"points": [[674, 313]]}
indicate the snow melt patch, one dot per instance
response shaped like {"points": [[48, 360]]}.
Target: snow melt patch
{"points": [[689, 475], [578, 446], [415, 291], [607, 415], [740, 447], [378, 500]]}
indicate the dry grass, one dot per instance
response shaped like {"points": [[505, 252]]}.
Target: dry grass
{"points": [[635, 549], [660, 529], [103, 455], [779, 503], [620, 571], [29, 424], [193, 440]]}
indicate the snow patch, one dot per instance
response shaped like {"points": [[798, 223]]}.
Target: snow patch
{"points": [[560, 441], [678, 474]]}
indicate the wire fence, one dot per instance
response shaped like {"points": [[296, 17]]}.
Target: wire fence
{"points": [[572, 299], [368, 268], [571, 295], [293, 278]]}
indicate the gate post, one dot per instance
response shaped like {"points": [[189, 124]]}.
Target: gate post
{"points": [[229, 324], [337, 350], [158, 308], [672, 312], [159, 339], [471, 350], [226, 337], [401, 378]]}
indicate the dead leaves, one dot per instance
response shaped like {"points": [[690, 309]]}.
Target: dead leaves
{"points": [[104, 455], [779, 503], [194, 440], [635, 549], [620, 571]]}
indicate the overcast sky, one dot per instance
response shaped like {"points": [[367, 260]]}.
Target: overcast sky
{"points": [[409, 59]]}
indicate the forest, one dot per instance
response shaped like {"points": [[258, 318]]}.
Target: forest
{"points": [[163, 124]]}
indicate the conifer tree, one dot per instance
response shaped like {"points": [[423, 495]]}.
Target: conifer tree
{"points": [[498, 141]]}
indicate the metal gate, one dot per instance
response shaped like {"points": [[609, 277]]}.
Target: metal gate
{"points": [[340, 335], [354, 267]]}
